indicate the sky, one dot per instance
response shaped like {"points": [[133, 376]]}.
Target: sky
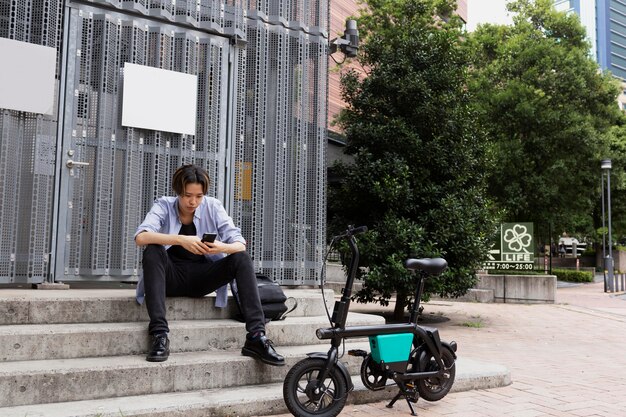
{"points": [[486, 11]]}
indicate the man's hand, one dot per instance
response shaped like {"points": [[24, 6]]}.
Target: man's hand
{"points": [[216, 247], [192, 244], [221, 247]]}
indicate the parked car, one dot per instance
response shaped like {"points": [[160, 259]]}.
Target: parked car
{"points": [[570, 243]]}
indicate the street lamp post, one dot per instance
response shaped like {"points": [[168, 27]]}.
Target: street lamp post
{"points": [[603, 237], [606, 165]]}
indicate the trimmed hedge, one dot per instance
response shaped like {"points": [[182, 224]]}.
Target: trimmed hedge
{"points": [[571, 275]]}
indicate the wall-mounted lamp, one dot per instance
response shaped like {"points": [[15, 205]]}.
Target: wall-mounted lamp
{"points": [[349, 42]]}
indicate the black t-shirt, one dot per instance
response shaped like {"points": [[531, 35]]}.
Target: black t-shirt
{"points": [[178, 253]]}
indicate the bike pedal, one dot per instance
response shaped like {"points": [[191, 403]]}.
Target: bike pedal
{"points": [[357, 352]]}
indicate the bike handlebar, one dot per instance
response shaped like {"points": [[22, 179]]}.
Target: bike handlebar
{"points": [[351, 232]]}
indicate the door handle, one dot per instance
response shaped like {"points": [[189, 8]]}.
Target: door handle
{"points": [[76, 164]]}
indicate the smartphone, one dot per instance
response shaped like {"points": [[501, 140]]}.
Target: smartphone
{"points": [[208, 237]]}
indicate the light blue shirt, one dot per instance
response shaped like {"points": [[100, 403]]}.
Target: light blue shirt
{"points": [[209, 217]]}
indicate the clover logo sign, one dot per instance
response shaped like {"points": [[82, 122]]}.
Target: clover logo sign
{"points": [[517, 238]]}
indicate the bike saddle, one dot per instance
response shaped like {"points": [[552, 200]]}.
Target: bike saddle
{"points": [[432, 266]]}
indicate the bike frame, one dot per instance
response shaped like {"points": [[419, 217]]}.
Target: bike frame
{"points": [[339, 331]]}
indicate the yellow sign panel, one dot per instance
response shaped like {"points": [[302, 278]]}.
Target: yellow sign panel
{"points": [[243, 181]]}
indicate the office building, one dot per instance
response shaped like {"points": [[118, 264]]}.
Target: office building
{"points": [[605, 22]]}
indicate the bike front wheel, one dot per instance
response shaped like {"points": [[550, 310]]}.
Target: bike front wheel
{"points": [[307, 396], [435, 388]]}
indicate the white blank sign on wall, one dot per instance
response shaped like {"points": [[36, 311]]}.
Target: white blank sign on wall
{"points": [[158, 99], [27, 76]]}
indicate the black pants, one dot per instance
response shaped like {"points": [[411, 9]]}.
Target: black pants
{"points": [[164, 276]]}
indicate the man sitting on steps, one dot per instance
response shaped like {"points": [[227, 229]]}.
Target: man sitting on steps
{"points": [[177, 263]]}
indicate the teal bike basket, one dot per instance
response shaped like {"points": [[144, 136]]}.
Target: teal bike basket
{"points": [[390, 348]]}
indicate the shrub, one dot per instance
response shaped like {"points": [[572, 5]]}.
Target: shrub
{"points": [[572, 275], [589, 252]]}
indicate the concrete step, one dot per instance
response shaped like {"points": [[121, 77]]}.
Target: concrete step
{"points": [[335, 272], [82, 353], [473, 295], [78, 340], [337, 286], [62, 380], [118, 305], [243, 401], [479, 295]]}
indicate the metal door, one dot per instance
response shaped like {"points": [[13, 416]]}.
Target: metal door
{"points": [[27, 154], [110, 174]]}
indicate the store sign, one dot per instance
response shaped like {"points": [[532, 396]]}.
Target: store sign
{"points": [[515, 248]]}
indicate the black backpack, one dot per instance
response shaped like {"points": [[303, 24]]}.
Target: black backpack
{"points": [[273, 299]]}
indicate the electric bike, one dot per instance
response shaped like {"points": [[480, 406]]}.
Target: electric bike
{"points": [[410, 355]]}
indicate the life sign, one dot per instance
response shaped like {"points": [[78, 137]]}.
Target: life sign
{"points": [[515, 248]]}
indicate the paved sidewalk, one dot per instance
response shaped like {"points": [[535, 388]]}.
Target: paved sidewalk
{"points": [[566, 359]]}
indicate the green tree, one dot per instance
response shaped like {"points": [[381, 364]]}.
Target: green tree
{"points": [[617, 154], [417, 180], [547, 111]]}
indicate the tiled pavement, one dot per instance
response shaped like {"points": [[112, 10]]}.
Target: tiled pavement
{"points": [[566, 359]]}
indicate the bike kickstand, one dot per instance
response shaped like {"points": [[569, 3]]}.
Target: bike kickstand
{"points": [[398, 395], [393, 401], [410, 406]]}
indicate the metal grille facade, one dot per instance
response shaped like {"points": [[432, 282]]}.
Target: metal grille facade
{"points": [[285, 146], [261, 124]]}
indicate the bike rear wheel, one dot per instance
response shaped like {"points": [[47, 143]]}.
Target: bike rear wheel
{"points": [[435, 388], [305, 397]]}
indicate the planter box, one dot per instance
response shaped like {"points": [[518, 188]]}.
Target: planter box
{"points": [[520, 288]]}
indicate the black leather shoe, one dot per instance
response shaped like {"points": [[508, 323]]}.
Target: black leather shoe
{"points": [[261, 348], [160, 350]]}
